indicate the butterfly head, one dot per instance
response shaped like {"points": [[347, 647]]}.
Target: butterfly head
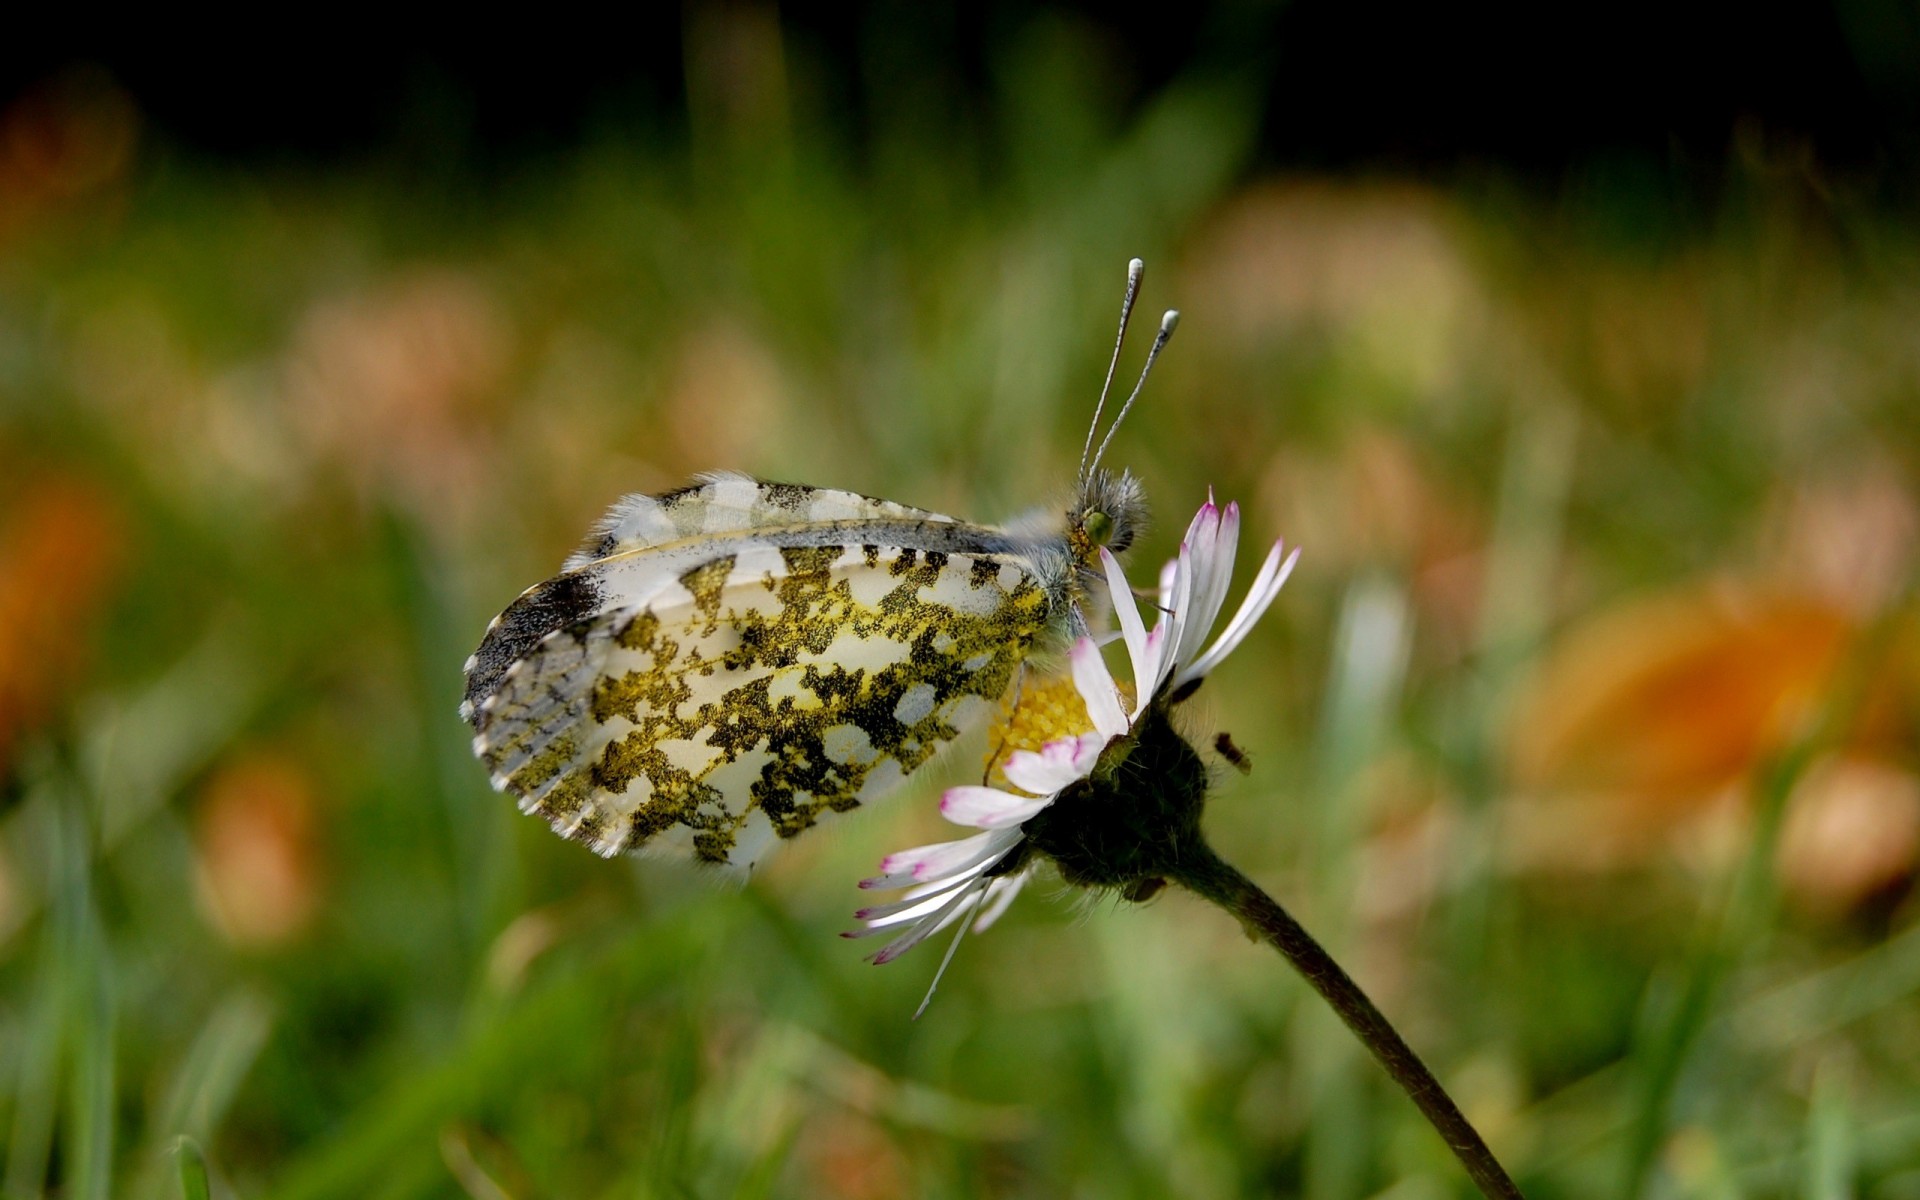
{"points": [[1109, 512]]}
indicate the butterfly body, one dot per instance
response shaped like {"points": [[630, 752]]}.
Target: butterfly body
{"points": [[723, 665]]}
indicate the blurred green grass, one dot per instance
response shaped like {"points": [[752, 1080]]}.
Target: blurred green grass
{"points": [[285, 441]]}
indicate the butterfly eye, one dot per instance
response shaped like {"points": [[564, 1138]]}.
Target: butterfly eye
{"points": [[1099, 526]]}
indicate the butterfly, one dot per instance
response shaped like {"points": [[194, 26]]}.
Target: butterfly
{"points": [[723, 665]]}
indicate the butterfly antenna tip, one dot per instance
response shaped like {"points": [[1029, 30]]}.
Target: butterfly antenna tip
{"points": [[1168, 322]]}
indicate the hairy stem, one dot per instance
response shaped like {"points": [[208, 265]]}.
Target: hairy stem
{"points": [[1206, 875]]}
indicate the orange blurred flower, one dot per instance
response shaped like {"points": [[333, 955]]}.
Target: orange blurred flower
{"points": [[257, 837], [388, 383], [1678, 696], [1646, 726], [60, 552]]}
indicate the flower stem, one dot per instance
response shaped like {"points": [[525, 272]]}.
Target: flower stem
{"points": [[1206, 875]]}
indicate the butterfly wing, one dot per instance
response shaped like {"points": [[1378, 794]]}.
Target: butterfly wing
{"points": [[726, 502], [799, 654]]}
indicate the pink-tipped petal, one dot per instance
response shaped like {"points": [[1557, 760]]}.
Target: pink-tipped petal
{"points": [[922, 863], [989, 808], [1266, 586], [1205, 523], [1213, 575], [1058, 764], [1097, 689], [927, 926], [910, 907]]}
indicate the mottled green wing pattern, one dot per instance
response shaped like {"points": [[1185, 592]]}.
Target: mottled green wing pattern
{"points": [[754, 692]]}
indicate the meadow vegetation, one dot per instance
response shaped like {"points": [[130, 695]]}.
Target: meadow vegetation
{"points": [[1584, 733]]}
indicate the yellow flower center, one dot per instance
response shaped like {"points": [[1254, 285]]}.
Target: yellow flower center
{"points": [[1039, 711]]}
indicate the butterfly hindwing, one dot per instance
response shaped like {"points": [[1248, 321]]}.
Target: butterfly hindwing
{"points": [[720, 688]]}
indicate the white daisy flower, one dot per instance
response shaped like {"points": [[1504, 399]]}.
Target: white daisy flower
{"points": [[975, 879]]}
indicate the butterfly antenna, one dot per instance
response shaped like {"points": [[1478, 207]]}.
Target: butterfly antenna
{"points": [[1167, 324], [1136, 270]]}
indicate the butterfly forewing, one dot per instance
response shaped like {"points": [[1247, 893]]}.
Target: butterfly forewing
{"points": [[725, 665]]}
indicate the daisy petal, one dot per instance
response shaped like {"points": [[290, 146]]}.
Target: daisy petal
{"points": [[952, 946], [1169, 570], [1126, 612], [1213, 575], [1266, 586], [1097, 689], [1058, 764], [1000, 894], [989, 808], [1158, 663], [927, 925], [940, 859], [1204, 523], [1178, 616], [880, 916]]}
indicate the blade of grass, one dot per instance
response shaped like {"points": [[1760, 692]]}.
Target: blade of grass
{"points": [[142, 746], [36, 1093], [671, 1157], [1368, 673], [402, 1121], [1206, 875], [1870, 982], [193, 1169], [749, 1109], [196, 1100], [1830, 1149], [865, 1088], [1679, 1008], [763, 1174], [1740, 924], [216, 1063], [457, 1154], [1887, 1146], [87, 1145], [482, 858]]}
